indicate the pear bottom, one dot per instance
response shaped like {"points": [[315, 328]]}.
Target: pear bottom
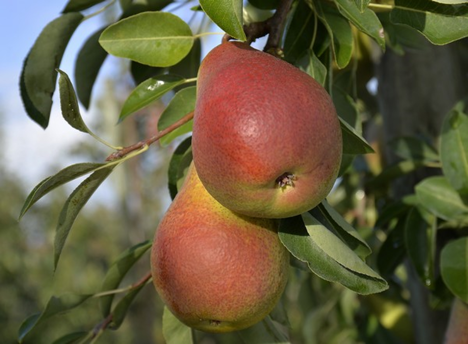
{"points": [[215, 270]]}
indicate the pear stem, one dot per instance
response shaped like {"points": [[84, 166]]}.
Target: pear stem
{"points": [[126, 150]]}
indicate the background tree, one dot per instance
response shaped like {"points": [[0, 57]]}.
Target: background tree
{"points": [[402, 191]]}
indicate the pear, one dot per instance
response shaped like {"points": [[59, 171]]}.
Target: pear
{"points": [[457, 330], [215, 270], [266, 137]]}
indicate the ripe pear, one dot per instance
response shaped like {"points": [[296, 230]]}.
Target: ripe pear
{"points": [[266, 137], [215, 270], [457, 330]]}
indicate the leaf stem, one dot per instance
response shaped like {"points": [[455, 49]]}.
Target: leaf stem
{"points": [[143, 145], [198, 35], [380, 7], [143, 280], [99, 11]]}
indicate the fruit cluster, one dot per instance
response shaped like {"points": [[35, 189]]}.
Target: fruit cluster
{"points": [[266, 145]]}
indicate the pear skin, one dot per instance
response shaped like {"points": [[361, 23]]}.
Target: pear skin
{"points": [[215, 270], [266, 137], [457, 330]]}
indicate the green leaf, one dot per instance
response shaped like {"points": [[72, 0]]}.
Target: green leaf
{"points": [[454, 149], [227, 14], [71, 338], [173, 171], [88, 63], [393, 250], [149, 91], [362, 4], [395, 171], [454, 267], [120, 311], [73, 206], [55, 306], [420, 231], [343, 229], [265, 4], [38, 77], [266, 331], [117, 272], [69, 103], [64, 176], [353, 143], [439, 23], [188, 67], [366, 21], [80, 5], [412, 148], [141, 72], [438, 196], [156, 39], [294, 235], [310, 64], [182, 104], [174, 331]]}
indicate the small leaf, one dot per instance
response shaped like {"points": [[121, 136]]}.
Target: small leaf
{"points": [[69, 103], [437, 196], [182, 104], [366, 21], [454, 149], [88, 63], [310, 64], [55, 306], [174, 331], [353, 143], [439, 23], [294, 235], [266, 331], [73, 206], [420, 230], [71, 338], [120, 311], [39, 77], [454, 267], [393, 250], [157, 39], [344, 230], [412, 148], [149, 91], [64, 176], [227, 14], [117, 272], [173, 171], [80, 5]]}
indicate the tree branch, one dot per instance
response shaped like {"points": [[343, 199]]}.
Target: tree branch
{"points": [[136, 146]]}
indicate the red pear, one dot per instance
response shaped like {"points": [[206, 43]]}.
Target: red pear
{"points": [[266, 136], [215, 270]]}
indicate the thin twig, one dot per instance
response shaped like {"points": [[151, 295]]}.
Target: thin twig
{"points": [[136, 146]]}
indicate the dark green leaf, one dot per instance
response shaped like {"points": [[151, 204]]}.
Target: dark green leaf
{"points": [[64, 176], [342, 36], [265, 4], [157, 39], [73, 206], [366, 21], [39, 77], [120, 311], [294, 235], [117, 272], [454, 267], [141, 72], [125, 4], [412, 148], [227, 14], [266, 331], [88, 63], [71, 338], [188, 67], [391, 212], [392, 252], [395, 171], [56, 305], [174, 331], [344, 230], [80, 5], [420, 236], [353, 143], [310, 64], [439, 23], [454, 149], [438, 196], [362, 4], [182, 104], [175, 165], [69, 103], [149, 91]]}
